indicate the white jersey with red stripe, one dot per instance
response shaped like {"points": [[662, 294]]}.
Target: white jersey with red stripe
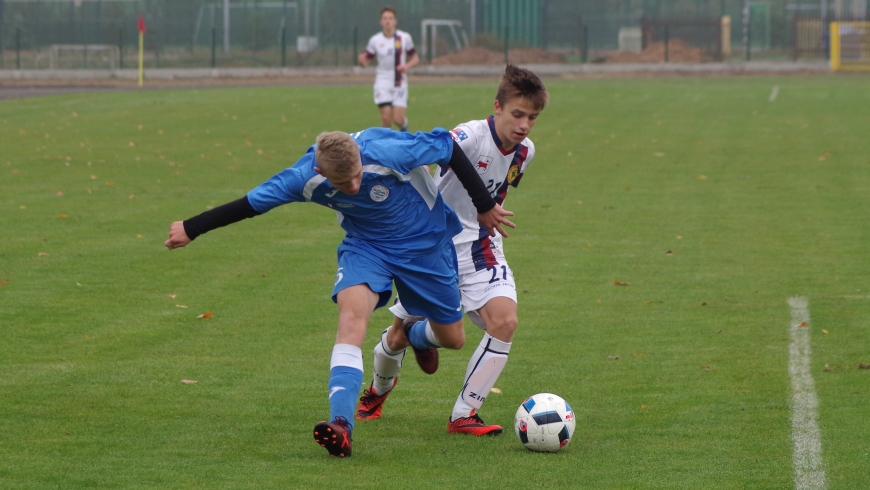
{"points": [[499, 168], [391, 52]]}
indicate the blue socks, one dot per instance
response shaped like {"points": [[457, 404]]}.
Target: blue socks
{"points": [[421, 336], [345, 381]]}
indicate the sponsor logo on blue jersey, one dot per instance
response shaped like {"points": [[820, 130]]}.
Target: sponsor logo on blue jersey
{"points": [[458, 135]]}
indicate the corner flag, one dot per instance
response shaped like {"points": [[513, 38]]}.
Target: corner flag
{"points": [[141, 27]]}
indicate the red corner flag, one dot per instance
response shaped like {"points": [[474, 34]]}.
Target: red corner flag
{"points": [[141, 24]]}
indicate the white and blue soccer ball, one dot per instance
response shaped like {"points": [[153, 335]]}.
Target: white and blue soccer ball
{"points": [[545, 423]]}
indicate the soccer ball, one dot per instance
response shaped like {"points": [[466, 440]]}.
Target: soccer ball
{"points": [[544, 423]]}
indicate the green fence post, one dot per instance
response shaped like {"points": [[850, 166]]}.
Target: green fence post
{"points": [[283, 46], [667, 39], [121, 48], [213, 45], [506, 37], [354, 54], [748, 36], [18, 48], [585, 43]]}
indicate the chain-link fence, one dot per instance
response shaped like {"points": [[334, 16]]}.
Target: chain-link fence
{"points": [[272, 33]]}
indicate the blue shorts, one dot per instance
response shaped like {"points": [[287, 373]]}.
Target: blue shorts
{"points": [[428, 285]]}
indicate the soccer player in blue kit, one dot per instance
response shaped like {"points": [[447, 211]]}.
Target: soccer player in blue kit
{"points": [[398, 229]]}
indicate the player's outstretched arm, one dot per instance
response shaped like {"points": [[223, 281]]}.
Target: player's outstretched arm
{"points": [[183, 232], [494, 219], [177, 236], [489, 213], [363, 59]]}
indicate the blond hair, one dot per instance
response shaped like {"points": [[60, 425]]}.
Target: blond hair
{"points": [[336, 152]]}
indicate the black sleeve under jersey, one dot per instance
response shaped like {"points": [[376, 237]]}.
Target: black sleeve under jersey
{"points": [[223, 215], [467, 175]]}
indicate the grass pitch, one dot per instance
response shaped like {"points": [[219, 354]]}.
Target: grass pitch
{"points": [[662, 228]]}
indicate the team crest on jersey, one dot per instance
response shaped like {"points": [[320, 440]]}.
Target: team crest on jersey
{"points": [[512, 173], [379, 193], [483, 164], [458, 135]]}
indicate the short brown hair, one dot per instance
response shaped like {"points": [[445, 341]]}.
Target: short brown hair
{"points": [[521, 83], [336, 152], [389, 9]]}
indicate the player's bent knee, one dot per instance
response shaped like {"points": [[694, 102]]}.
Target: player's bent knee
{"points": [[503, 328]]}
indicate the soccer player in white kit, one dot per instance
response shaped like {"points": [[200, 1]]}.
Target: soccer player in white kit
{"points": [[396, 54], [500, 150]]}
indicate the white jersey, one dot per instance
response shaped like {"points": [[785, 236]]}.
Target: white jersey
{"points": [[390, 52], [498, 167]]}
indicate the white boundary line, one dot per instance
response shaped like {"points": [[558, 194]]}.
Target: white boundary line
{"points": [[773, 93], [808, 469]]}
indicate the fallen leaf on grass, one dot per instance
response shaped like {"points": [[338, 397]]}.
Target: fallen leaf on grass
{"points": [[205, 316], [801, 324], [863, 366], [613, 358], [43, 254], [702, 177], [171, 296], [639, 354], [189, 381], [828, 368], [180, 306], [824, 331], [4, 283], [495, 390], [669, 253], [62, 216], [643, 406], [706, 368], [619, 283]]}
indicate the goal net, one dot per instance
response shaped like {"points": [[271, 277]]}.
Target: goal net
{"points": [[850, 45], [99, 56]]}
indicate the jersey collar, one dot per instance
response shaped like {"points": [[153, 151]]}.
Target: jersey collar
{"points": [[491, 122]]}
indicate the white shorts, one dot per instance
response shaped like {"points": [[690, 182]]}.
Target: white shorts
{"points": [[388, 93], [477, 287]]}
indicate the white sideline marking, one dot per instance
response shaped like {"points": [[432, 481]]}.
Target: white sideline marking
{"points": [[773, 93], [807, 460]]}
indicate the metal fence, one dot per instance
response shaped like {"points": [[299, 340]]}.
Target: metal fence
{"points": [[271, 33]]}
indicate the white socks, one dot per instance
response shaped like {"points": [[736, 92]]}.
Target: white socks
{"points": [[481, 374], [387, 366]]}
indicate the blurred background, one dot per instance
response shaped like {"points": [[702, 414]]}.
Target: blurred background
{"points": [[97, 34]]}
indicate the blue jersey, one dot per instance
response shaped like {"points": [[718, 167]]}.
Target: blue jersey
{"points": [[398, 211]]}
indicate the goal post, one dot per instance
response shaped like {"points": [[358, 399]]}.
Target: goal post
{"points": [[87, 55], [850, 46]]}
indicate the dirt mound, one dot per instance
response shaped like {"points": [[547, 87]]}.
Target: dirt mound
{"points": [[473, 55], [678, 52]]}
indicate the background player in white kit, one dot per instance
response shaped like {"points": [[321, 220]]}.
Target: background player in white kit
{"points": [[500, 150], [396, 54]]}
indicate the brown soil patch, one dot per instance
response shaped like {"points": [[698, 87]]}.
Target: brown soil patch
{"points": [[678, 52], [473, 55]]}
